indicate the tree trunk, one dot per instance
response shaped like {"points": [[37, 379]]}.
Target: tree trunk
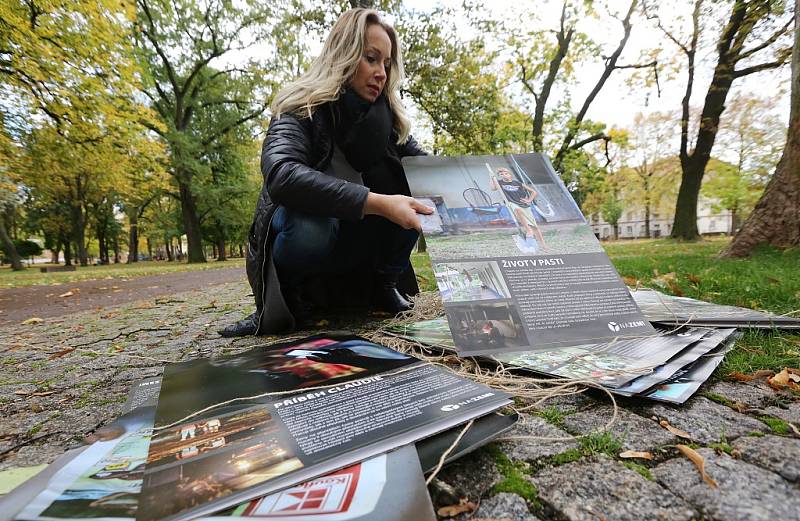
{"points": [[79, 233], [647, 220], [150, 248], [241, 251], [168, 246], [776, 217], [616, 231], [693, 164], [221, 249], [191, 223], [734, 218], [101, 244], [67, 251], [8, 246], [133, 238], [116, 248]]}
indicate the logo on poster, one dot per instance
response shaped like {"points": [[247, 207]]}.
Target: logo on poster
{"points": [[614, 326], [450, 407]]}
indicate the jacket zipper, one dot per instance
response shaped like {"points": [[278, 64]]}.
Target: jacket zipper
{"points": [[263, 275]]}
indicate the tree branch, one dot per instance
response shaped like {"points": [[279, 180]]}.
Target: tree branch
{"points": [[769, 41], [763, 66]]}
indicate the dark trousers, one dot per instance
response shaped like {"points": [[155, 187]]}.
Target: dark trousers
{"points": [[308, 245]]}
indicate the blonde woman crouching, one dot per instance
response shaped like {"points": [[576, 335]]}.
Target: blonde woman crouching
{"points": [[334, 224]]}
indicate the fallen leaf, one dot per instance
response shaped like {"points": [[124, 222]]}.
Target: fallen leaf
{"points": [[740, 377], [699, 462], [675, 289], [67, 294], [630, 281], [677, 432], [763, 373], [61, 353], [635, 454], [773, 280], [454, 510], [739, 406], [32, 320], [780, 380], [794, 429], [43, 393], [23, 393], [694, 279], [323, 323]]}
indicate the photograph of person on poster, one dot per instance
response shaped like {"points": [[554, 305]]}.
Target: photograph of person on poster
{"points": [[519, 198]]}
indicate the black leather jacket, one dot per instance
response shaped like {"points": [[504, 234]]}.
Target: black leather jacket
{"points": [[295, 154]]}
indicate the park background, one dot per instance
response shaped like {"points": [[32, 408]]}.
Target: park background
{"points": [[131, 130]]}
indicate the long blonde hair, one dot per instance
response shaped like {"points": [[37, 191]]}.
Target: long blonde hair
{"points": [[337, 64]]}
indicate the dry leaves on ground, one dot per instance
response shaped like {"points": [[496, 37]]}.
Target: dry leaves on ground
{"points": [[636, 454], [32, 320], [59, 354], [453, 510], [789, 377], [699, 462], [694, 279], [674, 430]]}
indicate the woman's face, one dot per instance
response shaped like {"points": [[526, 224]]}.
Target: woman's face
{"points": [[373, 69]]}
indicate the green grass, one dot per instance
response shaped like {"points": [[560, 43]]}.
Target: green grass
{"points": [[777, 425], [600, 443], [768, 281], [565, 457], [639, 469], [32, 276], [515, 477], [551, 415]]}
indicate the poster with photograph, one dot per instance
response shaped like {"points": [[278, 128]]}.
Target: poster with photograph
{"points": [[387, 487], [686, 381], [625, 367], [235, 428], [104, 480], [518, 267]]}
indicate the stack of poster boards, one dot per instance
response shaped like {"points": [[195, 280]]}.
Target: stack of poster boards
{"points": [[669, 368], [319, 428], [526, 283]]}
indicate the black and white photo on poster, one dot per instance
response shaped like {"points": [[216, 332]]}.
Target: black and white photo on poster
{"points": [[516, 263], [470, 281]]}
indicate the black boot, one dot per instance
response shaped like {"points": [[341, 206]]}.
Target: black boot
{"points": [[386, 297], [244, 327]]}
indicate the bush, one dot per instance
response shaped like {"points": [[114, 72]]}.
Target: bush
{"points": [[25, 249]]}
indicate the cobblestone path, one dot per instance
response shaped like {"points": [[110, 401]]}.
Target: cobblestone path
{"points": [[63, 377]]}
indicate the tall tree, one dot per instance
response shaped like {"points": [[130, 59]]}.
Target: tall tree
{"points": [[471, 115], [543, 63], [179, 41], [776, 218], [651, 173], [751, 30], [9, 196]]}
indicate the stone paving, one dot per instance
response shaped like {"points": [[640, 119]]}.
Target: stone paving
{"points": [[62, 378]]}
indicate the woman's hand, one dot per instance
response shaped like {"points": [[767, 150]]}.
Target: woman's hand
{"points": [[400, 209]]}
